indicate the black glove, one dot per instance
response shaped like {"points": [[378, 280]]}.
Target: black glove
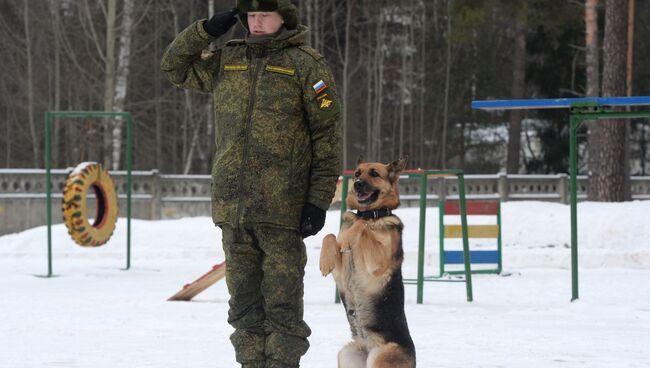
{"points": [[312, 220], [220, 23]]}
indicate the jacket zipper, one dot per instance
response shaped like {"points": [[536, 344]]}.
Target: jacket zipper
{"points": [[249, 124]]}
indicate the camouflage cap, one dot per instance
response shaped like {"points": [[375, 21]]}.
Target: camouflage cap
{"points": [[287, 10]]}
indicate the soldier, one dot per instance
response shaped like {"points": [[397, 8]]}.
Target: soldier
{"points": [[278, 147]]}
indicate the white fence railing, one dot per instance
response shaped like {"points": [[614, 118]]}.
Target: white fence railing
{"points": [[158, 196]]}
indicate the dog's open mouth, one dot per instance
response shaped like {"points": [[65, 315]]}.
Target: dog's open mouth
{"points": [[369, 197]]}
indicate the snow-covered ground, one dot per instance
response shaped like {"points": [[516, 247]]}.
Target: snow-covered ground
{"points": [[93, 314]]}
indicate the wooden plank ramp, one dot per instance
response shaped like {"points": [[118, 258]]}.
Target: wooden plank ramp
{"points": [[194, 288]]}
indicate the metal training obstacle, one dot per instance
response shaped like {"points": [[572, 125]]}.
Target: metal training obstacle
{"points": [[49, 115], [487, 233], [580, 109], [423, 176]]}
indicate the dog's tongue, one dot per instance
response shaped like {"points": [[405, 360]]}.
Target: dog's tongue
{"points": [[363, 196]]}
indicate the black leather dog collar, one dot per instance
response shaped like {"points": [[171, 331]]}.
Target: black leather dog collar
{"points": [[375, 214]]}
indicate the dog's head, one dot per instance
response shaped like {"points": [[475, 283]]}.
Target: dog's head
{"points": [[375, 185]]}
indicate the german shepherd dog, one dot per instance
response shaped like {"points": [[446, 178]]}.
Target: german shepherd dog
{"points": [[366, 262]]}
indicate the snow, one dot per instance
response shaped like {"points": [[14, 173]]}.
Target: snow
{"points": [[94, 314], [81, 167]]}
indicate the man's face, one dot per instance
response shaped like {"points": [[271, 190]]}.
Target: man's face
{"points": [[263, 23]]}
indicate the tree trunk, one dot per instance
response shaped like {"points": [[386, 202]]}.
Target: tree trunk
{"points": [[423, 77], [109, 80], [56, 23], [36, 159], [403, 86], [192, 145], [122, 78], [628, 85], [8, 140], [379, 90], [209, 126], [593, 86], [609, 180], [630, 47], [369, 98], [518, 85], [157, 90], [445, 113], [346, 76], [313, 23]]}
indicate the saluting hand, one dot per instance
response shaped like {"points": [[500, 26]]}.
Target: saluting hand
{"points": [[220, 23]]}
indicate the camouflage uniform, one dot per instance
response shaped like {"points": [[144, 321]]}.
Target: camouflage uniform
{"points": [[278, 146]]}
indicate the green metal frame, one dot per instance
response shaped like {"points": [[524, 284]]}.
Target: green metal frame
{"points": [[48, 178], [584, 112], [441, 227], [424, 176]]}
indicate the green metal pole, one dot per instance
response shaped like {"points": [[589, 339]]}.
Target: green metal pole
{"points": [[423, 214], [48, 190], [129, 143], [463, 220], [574, 121], [344, 194], [344, 207]]}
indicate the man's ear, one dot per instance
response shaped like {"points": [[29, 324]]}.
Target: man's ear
{"points": [[396, 166]]}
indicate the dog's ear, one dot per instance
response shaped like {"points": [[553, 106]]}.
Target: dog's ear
{"points": [[396, 166], [360, 160]]}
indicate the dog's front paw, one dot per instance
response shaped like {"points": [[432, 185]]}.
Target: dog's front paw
{"points": [[329, 254]]}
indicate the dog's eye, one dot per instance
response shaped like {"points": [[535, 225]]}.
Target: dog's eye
{"points": [[357, 174], [374, 174]]}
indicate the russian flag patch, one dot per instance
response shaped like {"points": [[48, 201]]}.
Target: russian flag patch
{"points": [[320, 86]]}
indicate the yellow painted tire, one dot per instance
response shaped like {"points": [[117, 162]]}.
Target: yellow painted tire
{"points": [[75, 211]]}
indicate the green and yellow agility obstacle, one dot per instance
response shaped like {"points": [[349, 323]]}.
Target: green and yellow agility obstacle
{"points": [[49, 115], [580, 110]]}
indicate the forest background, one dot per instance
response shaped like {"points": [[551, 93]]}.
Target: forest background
{"points": [[406, 71]]}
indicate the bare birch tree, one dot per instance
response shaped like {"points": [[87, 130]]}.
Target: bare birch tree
{"points": [[122, 78], [30, 85], [109, 76]]}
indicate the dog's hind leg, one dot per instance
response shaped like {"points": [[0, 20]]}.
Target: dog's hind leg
{"points": [[330, 254], [352, 355]]}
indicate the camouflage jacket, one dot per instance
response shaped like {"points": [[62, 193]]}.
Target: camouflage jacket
{"points": [[278, 129]]}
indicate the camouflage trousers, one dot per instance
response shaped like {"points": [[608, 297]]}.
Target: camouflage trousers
{"points": [[264, 273]]}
